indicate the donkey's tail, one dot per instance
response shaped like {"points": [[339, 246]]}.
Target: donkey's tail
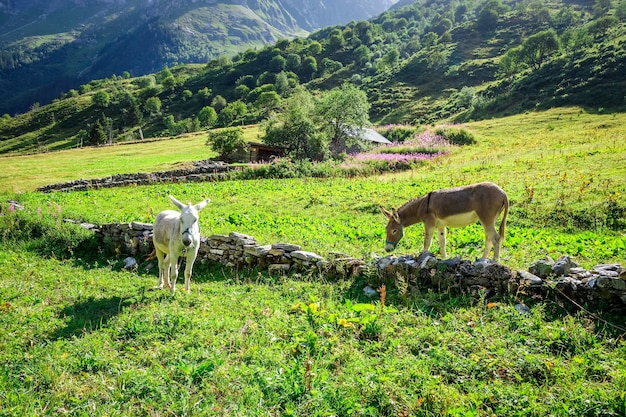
{"points": [[502, 230]]}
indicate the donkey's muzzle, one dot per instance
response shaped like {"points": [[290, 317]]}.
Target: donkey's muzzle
{"points": [[389, 246], [187, 239]]}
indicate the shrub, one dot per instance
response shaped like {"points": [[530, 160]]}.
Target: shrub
{"points": [[229, 143], [455, 135], [398, 133]]}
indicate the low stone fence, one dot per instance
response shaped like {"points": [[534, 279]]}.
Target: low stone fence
{"points": [[603, 286], [200, 171]]}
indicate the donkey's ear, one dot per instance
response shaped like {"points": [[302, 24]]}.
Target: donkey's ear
{"points": [[177, 203], [387, 213], [396, 216], [202, 204]]}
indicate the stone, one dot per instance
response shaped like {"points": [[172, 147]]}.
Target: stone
{"points": [[257, 250], [611, 283], [542, 267], [141, 226], [276, 252], [452, 262], [306, 256], [563, 265], [278, 268], [482, 263], [241, 239], [427, 260], [369, 291], [522, 308], [530, 279], [424, 254], [130, 263], [287, 247], [221, 238], [608, 270]]}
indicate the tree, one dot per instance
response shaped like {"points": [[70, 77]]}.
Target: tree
{"points": [[600, 26], [131, 114], [207, 116], [218, 103], [315, 48], [511, 62], [205, 93], [153, 105], [329, 66], [268, 101], [309, 67], [601, 7], [362, 55], [242, 91], [101, 99], [293, 62], [165, 73], [336, 40], [282, 84], [97, 135], [489, 14], [169, 83], [229, 143], [343, 112], [391, 58], [278, 63], [295, 129], [232, 113], [538, 47]]}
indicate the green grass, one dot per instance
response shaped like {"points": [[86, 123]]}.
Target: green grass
{"points": [[79, 336], [80, 339], [562, 169]]}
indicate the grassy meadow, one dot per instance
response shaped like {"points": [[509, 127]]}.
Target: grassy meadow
{"points": [[80, 337], [562, 169]]}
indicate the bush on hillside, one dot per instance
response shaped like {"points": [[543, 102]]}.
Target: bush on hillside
{"points": [[455, 135], [398, 133]]}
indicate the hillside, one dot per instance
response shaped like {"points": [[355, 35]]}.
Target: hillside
{"points": [[420, 63], [47, 47]]}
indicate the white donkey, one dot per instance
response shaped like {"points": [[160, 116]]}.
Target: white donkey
{"points": [[177, 234]]}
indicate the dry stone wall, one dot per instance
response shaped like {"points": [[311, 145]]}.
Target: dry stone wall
{"points": [[200, 171], [603, 285]]}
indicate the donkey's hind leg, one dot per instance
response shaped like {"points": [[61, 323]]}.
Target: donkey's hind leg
{"points": [[492, 239]]}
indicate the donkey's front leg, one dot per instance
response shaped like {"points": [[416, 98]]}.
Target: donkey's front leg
{"points": [[191, 258], [173, 272], [441, 237], [428, 236]]}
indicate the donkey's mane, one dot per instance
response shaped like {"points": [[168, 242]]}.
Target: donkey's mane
{"points": [[412, 201]]}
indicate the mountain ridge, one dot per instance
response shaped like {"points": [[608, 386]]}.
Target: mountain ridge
{"points": [[48, 47]]}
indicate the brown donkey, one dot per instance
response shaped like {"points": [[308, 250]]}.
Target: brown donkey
{"points": [[453, 207]]}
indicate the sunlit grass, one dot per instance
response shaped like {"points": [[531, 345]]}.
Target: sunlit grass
{"points": [[26, 173]]}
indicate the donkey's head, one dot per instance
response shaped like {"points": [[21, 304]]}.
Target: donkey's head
{"points": [[189, 220], [394, 229]]}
